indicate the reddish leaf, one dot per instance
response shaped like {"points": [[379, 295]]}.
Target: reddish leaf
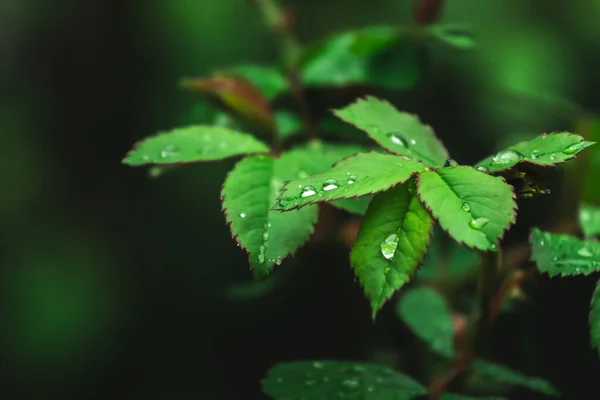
{"points": [[427, 11]]}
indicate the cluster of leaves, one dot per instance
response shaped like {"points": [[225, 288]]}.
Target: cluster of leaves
{"points": [[566, 255]]}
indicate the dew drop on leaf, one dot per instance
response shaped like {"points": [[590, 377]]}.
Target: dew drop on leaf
{"points": [[553, 157], [351, 385], [389, 245], [450, 163], [330, 184], [507, 157], [285, 201], [478, 223], [308, 191], [169, 151], [397, 139], [351, 179], [574, 148], [483, 169], [585, 252], [243, 215], [386, 270], [535, 154], [466, 206], [261, 254]]}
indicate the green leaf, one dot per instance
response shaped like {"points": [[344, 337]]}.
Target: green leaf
{"points": [[248, 193], [454, 396], [319, 380], [426, 312], [502, 374], [474, 208], [193, 144], [545, 150], [378, 56], [595, 319], [288, 124], [270, 81], [563, 255], [356, 206], [391, 243], [589, 219], [457, 36], [359, 175], [399, 132]]}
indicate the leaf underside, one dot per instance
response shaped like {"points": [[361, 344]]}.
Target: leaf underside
{"points": [[193, 144], [544, 150], [399, 132], [319, 380], [427, 313], [589, 220], [391, 243], [501, 374], [595, 319], [474, 208], [564, 255], [248, 193]]}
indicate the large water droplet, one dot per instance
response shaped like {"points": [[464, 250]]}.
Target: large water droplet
{"points": [[450, 163], [318, 365], [466, 206], [574, 148], [389, 245], [535, 154], [351, 385], [478, 223], [483, 169], [308, 191], [585, 252], [243, 215], [169, 151], [351, 179], [396, 138], [330, 184], [507, 157]]}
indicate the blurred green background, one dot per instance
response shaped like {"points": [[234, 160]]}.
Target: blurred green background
{"points": [[114, 285]]}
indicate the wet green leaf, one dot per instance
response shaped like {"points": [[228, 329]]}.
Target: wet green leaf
{"points": [[193, 144], [359, 175], [545, 150], [456, 36], [427, 313], [589, 220], [379, 56], [501, 374], [398, 132], [474, 208], [557, 254], [595, 319], [391, 243], [319, 380], [248, 193]]}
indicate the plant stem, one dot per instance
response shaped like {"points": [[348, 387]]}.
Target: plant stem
{"points": [[279, 22]]}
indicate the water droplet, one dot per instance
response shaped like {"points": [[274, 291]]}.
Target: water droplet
{"points": [[389, 245], [535, 154], [507, 157], [318, 365], [466, 206], [302, 175], [483, 169], [169, 151], [544, 135], [351, 385], [351, 179], [585, 252], [397, 139], [265, 236], [450, 163], [553, 157], [386, 270], [493, 246], [261, 254], [308, 191], [478, 223], [330, 184], [243, 215], [574, 148], [310, 382], [285, 201]]}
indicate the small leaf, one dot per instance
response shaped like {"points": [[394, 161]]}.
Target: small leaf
{"points": [[378, 56], [426, 312], [545, 150], [474, 208], [270, 81], [595, 319], [589, 220], [391, 243], [318, 380], [398, 132], [288, 124], [248, 193], [193, 144], [501, 374], [456, 36], [564, 255], [359, 175]]}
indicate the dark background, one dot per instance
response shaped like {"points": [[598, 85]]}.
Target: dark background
{"points": [[114, 285]]}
